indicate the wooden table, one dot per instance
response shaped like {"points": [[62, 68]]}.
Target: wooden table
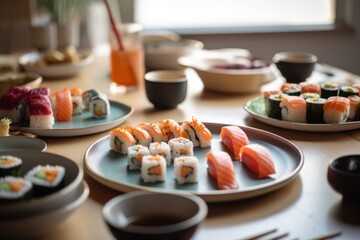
{"points": [[305, 208]]}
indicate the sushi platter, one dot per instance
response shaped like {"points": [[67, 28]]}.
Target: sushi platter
{"points": [[256, 108], [111, 168]]}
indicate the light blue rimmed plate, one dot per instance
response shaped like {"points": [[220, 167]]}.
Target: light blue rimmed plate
{"points": [[14, 143], [110, 168], [256, 108], [82, 124]]}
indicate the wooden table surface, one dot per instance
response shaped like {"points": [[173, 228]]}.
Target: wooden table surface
{"points": [[306, 207]]}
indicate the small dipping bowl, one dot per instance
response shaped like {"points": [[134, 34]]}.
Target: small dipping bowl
{"points": [[166, 89], [154, 215], [295, 66], [344, 176]]}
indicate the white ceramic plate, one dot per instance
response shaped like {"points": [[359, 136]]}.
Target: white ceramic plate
{"points": [[110, 168], [82, 124], [54, 70], [256, 108], [11, 143]]}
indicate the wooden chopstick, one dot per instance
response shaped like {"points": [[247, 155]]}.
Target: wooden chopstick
{"points": [[261, 234], [328, 235]]}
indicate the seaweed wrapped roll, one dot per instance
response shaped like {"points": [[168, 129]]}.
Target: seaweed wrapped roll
{"points": [[329, 89], [9, 165], [346, 91], [14, 189], [314, 110]]}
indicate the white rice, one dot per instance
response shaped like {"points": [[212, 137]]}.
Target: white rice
{"points": [[334, 116], [77, 103], [293, 115], [181, 147], [148, 163], [42, 121], [7, 194], [190, 162], [31, 175], [162, 149], [16, 162], [135, 155]]}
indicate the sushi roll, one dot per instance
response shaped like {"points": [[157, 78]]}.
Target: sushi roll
{"points": [[336, 109], [234, 138], [266, 95], [257, 159], [196, 132], [221, 169], [357, 85], [329, 89], [40, 112], [99, 106], [309, 95], [310, 87], [9, 165], [273, 107], [46, 179], [180, 147], [86, 96], [186, 169], [346, 91], [62, 105], [13, 104], [14, 189], [162, 149], [135, 155], [121, 140], [354, 111], [153, 168], [170, 129], [154, 131], [314, 110], [141, 136], [292, 89], [293, 109], [77, 100]]}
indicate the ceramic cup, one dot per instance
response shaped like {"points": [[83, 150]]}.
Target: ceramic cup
{"points": [[165, 89], [295, 66]]}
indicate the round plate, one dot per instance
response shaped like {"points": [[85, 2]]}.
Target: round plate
{"points": [[11, 143], [54, 70], [256, 108], [82, 124], [110, 168]]}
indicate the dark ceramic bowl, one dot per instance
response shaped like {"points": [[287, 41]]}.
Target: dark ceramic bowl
{"points": [[166, 89], [344, 176], [295, 66], [154, 215]]}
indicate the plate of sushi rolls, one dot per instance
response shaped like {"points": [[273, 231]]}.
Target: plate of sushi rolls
{"points": [[309, 107], [61, 113], [214, 161]]}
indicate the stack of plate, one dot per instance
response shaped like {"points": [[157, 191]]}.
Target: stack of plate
{"points": [[35, 217]]}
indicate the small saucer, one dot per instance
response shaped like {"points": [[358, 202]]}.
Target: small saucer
{"points": [[11, 143]]}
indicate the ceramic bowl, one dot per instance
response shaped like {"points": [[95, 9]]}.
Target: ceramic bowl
{"points": [[234, 75], [36, 225], [154, 215], [10, 79], [166, 89], [163, 55], [73, 178], [344, 176], [295, 67]]}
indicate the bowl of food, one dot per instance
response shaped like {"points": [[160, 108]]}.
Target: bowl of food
{"points": [[344, 176], [163, 55], [10, 79], [154, 215], [224, 72]]}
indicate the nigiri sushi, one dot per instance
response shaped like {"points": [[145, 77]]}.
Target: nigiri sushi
{"points": [[336, 109], [221, 168], [258, 159], [63, 108], [293, 109], [196, 132], [234, 138], [170, 129]]}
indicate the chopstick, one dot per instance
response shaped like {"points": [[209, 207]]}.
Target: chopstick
{"points": [[261, 234], [328, 235]]}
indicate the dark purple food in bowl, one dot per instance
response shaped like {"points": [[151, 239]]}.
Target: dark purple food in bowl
{"points": [[344, 176]]}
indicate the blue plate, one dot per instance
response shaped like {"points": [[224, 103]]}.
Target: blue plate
{"points": [[14, 143]]}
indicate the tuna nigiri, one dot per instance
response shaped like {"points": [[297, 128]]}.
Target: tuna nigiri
{"points": [[258, 159], [221, 168], [234, 138]]}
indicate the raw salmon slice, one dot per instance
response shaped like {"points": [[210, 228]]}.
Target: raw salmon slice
{"points": [[221, 168], [64, 107], [234, 138]]}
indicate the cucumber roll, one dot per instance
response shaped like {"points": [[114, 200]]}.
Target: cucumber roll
{"points": [[9, 165], [14, 189], [274, 109], [346, 91], [329, 89], [314, 110]]}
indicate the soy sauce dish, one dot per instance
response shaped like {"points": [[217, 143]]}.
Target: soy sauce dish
{"points": [[344, 176], [154, 215]]}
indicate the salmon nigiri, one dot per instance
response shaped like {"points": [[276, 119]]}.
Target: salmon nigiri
{"points": [[258, 159], [221, 168], [64, 107], [234, 138], [336, 109]]}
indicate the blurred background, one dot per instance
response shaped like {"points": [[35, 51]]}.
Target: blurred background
{"points": [[328, 28]]}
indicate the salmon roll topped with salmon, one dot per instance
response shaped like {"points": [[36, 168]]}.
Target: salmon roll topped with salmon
{"points": [[154, 131], [170, 129], [234, 138], [196, 132], [336, 109], [293, 109], [121, 140], [310, 87]]}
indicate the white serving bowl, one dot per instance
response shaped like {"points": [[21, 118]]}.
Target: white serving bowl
{"points": [[235, 81], [163, 55]]}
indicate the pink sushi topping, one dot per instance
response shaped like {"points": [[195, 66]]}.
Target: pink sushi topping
{"points": [[13, 97], [39, 105]]}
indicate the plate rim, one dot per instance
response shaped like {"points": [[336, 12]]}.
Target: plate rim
{"points": [[214, 196]]}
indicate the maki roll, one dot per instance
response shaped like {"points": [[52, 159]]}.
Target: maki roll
{"points": [[154, 131], [314, 110], [141, 136], [346, 91], [354, 113], [121, 140], [76, 99], [186, 169], [99, 106], [9, 165], [292, 89], [153, 168], [170, 129], [336, 109], [46, 179], [135, 155], [161, 149], [329, 89], [180, 147], [273, 107], [86, 96], [309, 95], [196, 132], [13, 189], [293, 109]]}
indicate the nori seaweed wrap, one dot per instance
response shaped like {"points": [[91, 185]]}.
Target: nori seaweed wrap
{"points": [[329, 89], [274, 109], [346, 91], [292, 89], [9, 165], [314, 110]]}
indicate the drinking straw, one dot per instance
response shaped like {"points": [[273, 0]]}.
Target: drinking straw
{"points": [[113, 24]]}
